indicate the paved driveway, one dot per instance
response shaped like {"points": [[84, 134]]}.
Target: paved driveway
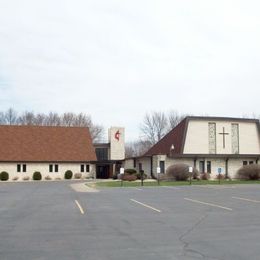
{"points": [[49, 220]]}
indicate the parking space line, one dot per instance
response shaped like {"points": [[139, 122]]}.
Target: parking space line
{"points": [[145, 205], [171, 188], [209, 204], [138, 188], [239, 198], [80, 208]]}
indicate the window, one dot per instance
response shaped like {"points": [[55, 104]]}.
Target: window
{"points": [[140, 167], [102, 154], [208, 166], [244, 162], [251, 162], [201, 166], [50, 168], [56, 167], [18, 167], [82, 167], [134, 163], [162, 166], [24, 167]]}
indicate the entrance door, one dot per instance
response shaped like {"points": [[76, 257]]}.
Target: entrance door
{"points": [[102, 171]]}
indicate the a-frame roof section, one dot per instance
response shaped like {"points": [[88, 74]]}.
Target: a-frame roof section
{"points": [[45, 144], [175, 137]]}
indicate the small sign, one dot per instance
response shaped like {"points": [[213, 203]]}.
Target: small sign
{"points": [[190, 169], [122, 170], [158, 170], [219, 170]]}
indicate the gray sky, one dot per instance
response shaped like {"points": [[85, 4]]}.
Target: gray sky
{"points": [[117, 60]]}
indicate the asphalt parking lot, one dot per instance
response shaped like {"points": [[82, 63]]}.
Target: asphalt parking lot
{"points": [[49, 220]]}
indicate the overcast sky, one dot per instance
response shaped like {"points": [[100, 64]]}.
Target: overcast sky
{"points": [[117, 60]]}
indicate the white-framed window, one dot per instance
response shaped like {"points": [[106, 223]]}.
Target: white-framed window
{"points": [[84, 168], [21, 167], [53, 168]]}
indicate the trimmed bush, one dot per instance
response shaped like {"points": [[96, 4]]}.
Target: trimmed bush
{"points": [[26, 178], [220, 176], [204, 176], [37, 176], [48, 178], [130, 171], [179, 172], [68, 175], [128, 177], [138, 175], [249, 172], [15, 178], [4, 176], [77, 175]]}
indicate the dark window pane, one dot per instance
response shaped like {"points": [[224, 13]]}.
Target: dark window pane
{"points": [[208, 166], [82, 168], [56, 167], [162, 166], [202, 166], [50, 168], [244, 162], [251, 162], [140, 166], [18, 167], [87, 168], [102, 154], [24, 167]]}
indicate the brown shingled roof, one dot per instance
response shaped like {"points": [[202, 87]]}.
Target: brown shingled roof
{"points": [[45, 144], [174, 137]]}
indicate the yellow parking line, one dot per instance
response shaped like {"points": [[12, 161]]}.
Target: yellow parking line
{"points": [[239, 198], [209, 204], [80, 208], [145, 205]]}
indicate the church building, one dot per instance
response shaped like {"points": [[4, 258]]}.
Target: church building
{"points": [[211, 144]]}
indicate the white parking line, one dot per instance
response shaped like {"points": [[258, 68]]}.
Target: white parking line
{"points": [[209, 204], [145, 205], [170, 187], [137, 189], [239, 198], [80, 208]]}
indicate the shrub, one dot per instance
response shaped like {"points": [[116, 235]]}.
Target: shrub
{"points": [[58, 178], [179, 172], [138, 175], [68, 175], [37, 176], [128, 177], [130, 171], [249, 172], [220, 176], [204, 176], [48, 178], [26, 178], [77, 175], [15, 178], [4, 176]]}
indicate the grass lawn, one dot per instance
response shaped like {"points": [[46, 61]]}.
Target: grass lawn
{"points": [[118, 183]]}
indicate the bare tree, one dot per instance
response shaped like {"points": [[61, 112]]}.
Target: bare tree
{"points": [[82, 120], [53, 119], [27, 118], [2, 118], [96, 132], [10, 116], [68, 119], [40, 119], [175, 118], [136, 148], [154, 127]]}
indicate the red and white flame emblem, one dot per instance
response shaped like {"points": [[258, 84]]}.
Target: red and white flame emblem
{"points": [[117, 135]]}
